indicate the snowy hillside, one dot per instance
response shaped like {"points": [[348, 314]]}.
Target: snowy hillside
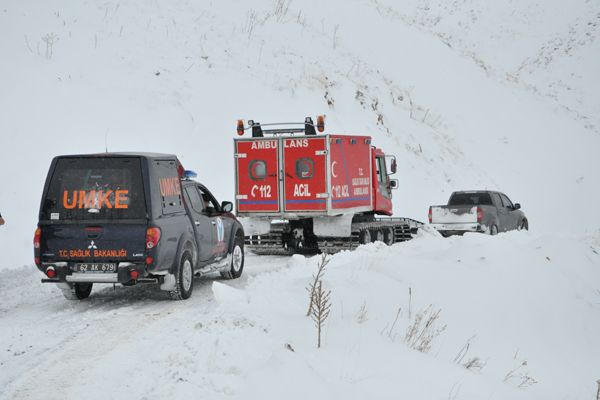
{"points": [[472, 94], [175, 76]]}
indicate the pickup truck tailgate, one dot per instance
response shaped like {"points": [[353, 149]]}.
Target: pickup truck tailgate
{"points": [[453, 214]]}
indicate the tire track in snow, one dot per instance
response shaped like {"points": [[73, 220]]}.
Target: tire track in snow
{"points": [[50, 373], [53, 344]]}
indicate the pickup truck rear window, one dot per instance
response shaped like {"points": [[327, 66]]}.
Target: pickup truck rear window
{"points": [[94, 189], [470, 199]]}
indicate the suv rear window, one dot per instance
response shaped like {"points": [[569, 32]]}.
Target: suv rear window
{"points": [[470, 199], [95, 188]]}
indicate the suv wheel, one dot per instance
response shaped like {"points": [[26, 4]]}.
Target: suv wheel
{"points": [[237, 260], [184, 278], [77, 291]]}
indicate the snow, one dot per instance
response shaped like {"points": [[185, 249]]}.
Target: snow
{"points": [[467, 95], [441, 215], [517, 297]]}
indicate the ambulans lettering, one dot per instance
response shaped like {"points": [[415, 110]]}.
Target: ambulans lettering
{"points": [[294, 143], [169, 187], [264, 145], [301, 190], [95, 199]]}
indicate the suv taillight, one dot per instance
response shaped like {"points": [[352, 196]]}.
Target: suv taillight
{"points": [[429, 215], [152, 237], [36, 245], [51, 272], [479, 215]]}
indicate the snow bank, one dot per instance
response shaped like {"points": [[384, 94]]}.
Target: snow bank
{"points": [[523, 308], [520, 310]]}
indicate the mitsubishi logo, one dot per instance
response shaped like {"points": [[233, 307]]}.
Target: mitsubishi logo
{"points": [[92, 246]]}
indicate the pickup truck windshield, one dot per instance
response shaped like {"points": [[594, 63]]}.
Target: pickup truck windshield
{"points": [[94, 189], [470, 199]]}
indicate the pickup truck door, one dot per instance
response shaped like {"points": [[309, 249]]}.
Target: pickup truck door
{"points": [[202, 223], [512, 217], [221, 228], [501, 211]]}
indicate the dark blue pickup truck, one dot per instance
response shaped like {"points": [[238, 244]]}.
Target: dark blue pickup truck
{"points": [[132, 218]]}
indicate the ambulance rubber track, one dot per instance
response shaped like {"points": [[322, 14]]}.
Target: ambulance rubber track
{"points": [[272, 243]]}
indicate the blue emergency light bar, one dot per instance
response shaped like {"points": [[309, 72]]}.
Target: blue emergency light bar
{"points": [[189, 174]]}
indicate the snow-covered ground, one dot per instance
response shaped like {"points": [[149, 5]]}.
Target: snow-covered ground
{"points": [[526, 305], [473, 94]]}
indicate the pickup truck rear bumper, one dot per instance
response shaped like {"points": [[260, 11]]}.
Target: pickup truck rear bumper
{"points": [[458, 229], [64, 273]]}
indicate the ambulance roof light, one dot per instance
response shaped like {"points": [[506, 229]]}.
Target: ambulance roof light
{"points": [[240, 127], [320, 123]]}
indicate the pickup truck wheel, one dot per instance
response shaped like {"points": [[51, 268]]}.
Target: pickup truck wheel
{"points": [[77, 291], [524, 225], [184, 278], [365, 236], [494, 230], [237, 260]]}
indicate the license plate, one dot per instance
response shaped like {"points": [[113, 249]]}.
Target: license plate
{"points": [[96, 267]]}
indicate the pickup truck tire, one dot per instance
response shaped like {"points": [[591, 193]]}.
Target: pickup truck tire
{"points": [[524, 225], [493, 230], [237, 260], [77, 291], [184, 278]]}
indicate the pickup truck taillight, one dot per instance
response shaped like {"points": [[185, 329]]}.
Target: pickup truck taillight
{"points": [[479, 215], [36, 245], [152, 237], [429, 214]]}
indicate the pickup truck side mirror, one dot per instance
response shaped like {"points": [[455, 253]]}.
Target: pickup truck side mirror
{"points": [[394, 166], [227, 206], [394, 184], [517, 206]]}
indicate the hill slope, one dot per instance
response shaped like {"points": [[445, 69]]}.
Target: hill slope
{"points": [[453, 92]]}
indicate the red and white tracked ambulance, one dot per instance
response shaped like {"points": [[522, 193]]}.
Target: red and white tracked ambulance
{"points": [[299, 191]]}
